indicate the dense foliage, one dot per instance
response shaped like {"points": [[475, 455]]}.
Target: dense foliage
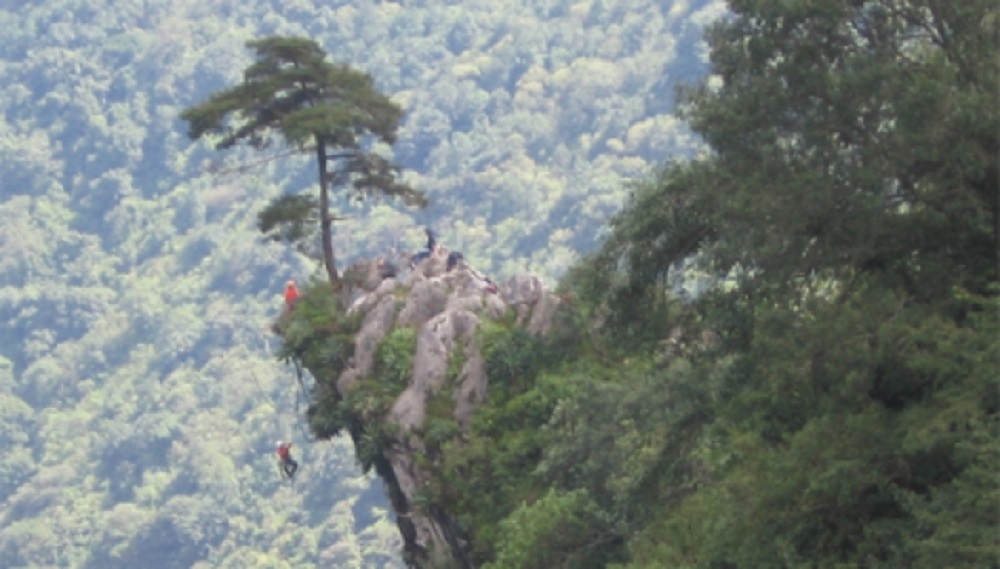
{"points": [[139, 394], [783, 353], [822, 391]]}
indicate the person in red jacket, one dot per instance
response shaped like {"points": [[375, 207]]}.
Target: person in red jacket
{"points": [[291, 294], [285, 460]]}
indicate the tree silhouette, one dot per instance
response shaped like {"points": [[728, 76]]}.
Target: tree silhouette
{"points": [[312, 105]]}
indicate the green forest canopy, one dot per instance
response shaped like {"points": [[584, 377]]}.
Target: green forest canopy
{"points": [[836, 405], [140, 398], [829, 396]]}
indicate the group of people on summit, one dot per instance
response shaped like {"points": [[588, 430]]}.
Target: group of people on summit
{"points": [[387, 269], [454, 259]]}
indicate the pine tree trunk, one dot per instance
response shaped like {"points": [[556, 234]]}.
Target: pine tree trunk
{"points": [[326, 222]]}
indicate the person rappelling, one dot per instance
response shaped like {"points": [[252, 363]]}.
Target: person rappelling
{"points": [[287, 464]]}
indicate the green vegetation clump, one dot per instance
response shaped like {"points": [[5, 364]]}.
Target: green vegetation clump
{"points": [[361, 410], [477, 476], [513, 358], [828, 397], [318, 334], [456, 361], [440, 425], [394, 359]]}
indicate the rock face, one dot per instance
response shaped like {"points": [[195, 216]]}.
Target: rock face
{"points": [[446, 309]]}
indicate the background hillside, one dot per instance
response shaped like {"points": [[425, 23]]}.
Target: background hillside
{"points": [[140, 399]]}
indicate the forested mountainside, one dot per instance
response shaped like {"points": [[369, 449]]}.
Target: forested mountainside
{"points": [[825, 396], [140, 397]]}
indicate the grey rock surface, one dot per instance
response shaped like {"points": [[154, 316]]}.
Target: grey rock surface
{"points": [[447, 309]]}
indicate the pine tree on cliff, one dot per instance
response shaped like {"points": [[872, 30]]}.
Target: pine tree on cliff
{"points": [[312, 105]]}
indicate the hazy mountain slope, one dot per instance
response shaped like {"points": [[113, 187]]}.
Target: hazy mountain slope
{"points": [[140, 397]]}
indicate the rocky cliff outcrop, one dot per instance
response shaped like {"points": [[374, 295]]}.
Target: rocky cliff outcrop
{"points": [[442, 312]]}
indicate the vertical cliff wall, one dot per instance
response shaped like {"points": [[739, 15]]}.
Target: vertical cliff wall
{"points": [[415, 364]]}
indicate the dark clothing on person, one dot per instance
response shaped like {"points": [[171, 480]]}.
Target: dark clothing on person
{"points": [[289, 467], [288, 464], [431, 248], [416, 259], [453, 259]]}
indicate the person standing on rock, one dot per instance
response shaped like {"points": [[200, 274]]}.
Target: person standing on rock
{"points": [[432, 248], [454, 258]]}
